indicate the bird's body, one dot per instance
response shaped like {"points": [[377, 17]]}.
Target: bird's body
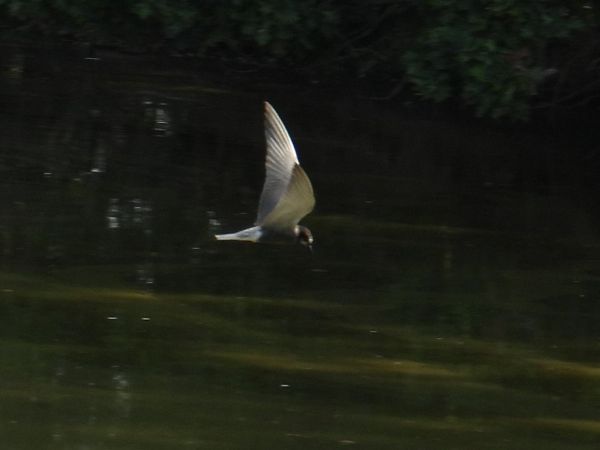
{"points": [[265, 235], [287, 194]]}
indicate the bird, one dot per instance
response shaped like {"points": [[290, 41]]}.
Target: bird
{"points": [[287, 194]]}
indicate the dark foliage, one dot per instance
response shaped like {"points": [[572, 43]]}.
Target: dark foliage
{"points": [[498, 57]]}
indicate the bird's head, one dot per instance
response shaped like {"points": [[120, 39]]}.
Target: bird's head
{"points": [[304, 236]]}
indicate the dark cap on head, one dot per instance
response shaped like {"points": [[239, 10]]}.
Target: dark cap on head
{"points": [[304, 236]]}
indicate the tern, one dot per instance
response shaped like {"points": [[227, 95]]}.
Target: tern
{"points": [[287, 195]]}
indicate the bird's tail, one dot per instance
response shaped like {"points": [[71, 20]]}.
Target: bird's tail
{"points": [[227, 237], [249, 234]]}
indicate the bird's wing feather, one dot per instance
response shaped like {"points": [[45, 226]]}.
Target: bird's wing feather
{"points": [[280, 162], [296, 203]]}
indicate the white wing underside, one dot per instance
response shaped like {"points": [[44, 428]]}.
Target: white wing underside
{"points": [[287, 194]]}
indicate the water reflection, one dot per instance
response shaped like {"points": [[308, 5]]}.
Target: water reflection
{"points": [[447, 304], [159, 116]]}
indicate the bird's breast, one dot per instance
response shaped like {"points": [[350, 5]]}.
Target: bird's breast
{"points": [[273, 236]]}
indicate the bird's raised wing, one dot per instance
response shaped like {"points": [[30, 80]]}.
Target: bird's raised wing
{"points": [[287, 194], [297, 202]]}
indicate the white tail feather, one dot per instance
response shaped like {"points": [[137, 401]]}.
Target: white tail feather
{"points": [[227, 237], [250, 234]]}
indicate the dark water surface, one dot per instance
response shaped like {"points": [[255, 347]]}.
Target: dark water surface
{"points": [[452, 301]]}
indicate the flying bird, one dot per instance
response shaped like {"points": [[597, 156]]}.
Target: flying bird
{"points": [[287, 195]]}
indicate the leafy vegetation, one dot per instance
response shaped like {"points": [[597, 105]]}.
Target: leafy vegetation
{"points": [[497, 57], [491, 54]]}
